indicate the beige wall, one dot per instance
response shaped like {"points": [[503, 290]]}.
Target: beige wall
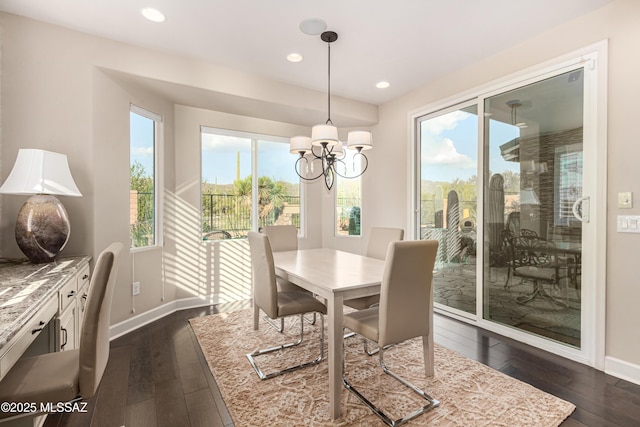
{"points": [[55, 95], [70, 92]]}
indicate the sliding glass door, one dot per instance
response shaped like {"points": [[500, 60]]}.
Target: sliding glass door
{"points": [[448, 201], [533, 139], [509, 183]]}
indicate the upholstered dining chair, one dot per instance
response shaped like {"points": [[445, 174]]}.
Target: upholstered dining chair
{"points": [[277, 304], [405, 312], [283, 238], [379, 239], [70, 375]]}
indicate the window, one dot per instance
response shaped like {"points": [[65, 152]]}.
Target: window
{"points": [[248, 182], [348, 195], [143, 203]]}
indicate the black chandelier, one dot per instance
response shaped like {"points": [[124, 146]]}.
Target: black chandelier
{"points": [[324, 147]]}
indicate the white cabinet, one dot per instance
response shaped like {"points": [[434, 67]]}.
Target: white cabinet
{"points": [[72, 299], [81, 301], [67, 329]]}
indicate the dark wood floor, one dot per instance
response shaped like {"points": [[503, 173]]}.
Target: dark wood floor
{"points": [[157, 376]]}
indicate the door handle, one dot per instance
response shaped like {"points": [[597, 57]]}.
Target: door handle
{"points": [[581, 208]]}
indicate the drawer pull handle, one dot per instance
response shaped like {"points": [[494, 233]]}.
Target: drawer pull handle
{"points": [[66, 338], [35, 331], [85, 277], [71, 294]]}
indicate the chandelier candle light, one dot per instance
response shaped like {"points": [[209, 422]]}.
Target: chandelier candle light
{"points": [[324, 146]]}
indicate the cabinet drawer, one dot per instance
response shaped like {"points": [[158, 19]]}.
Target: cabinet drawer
{"points": [[17, 346], [83, 277], [68, 294]]}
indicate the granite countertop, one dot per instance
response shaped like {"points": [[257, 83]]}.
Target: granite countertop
{"points": [[25, 288]]}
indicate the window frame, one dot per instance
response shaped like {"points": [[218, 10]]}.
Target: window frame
{"points": [[158, 173], [255, 139]]}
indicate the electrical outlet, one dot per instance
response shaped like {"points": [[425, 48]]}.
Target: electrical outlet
{"points": [[135, 288], [625, 200]]}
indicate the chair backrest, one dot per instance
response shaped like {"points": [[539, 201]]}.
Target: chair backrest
{"points": [[282, 237], [94, 338], [263, 274], [379, 239], [533, 251], [406, 293]]}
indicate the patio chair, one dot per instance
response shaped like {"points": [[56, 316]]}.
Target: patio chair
{"points": [[535, 259]]}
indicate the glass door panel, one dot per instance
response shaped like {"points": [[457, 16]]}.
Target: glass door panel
{"points": [[448, 202], [533, 178]]}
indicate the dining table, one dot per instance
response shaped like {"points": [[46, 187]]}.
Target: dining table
{"points": [[334, 276]]}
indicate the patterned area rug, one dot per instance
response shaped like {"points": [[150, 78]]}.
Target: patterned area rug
{"points": [[470, 393]]}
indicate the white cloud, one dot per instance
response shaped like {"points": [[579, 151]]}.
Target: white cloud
{"points": [[443, 152], [142, 151], [438, 125], [224, 143]]}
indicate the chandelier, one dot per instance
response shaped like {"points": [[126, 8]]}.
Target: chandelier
{"points": [[323, 149]]}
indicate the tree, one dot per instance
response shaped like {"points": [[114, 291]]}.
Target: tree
{"points": [[271, 196], [141, 231]]}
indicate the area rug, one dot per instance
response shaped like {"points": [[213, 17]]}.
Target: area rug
{"points": [[470, 393]]}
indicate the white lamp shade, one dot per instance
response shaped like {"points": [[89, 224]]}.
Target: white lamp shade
{"points": [[299, 143], [324, 133], [529, 197], [360, 139], [338, 149], [40, 172]]}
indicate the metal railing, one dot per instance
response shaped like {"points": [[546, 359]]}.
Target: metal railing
{"points": [[225, 215]]}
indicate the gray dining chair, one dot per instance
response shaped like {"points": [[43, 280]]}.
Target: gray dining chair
{"points": [[379, 239], [277, 304], [70, 375], [283, 238], [405, 312]]}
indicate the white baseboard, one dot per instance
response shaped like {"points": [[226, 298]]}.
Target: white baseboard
{"points": [[159, 312], [621, 369]]}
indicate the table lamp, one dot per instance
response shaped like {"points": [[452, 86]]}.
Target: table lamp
{"points": [[42, 228]]}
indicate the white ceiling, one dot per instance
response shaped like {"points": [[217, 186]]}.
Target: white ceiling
{"points": [[406, 42]]}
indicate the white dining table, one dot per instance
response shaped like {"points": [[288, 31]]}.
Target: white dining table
{"points": [[335, 276]]}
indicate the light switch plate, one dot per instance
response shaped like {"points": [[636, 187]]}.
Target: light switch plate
{"points": [[625, 200], [628, 224]]}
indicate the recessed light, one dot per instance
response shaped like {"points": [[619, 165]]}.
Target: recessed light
{"points": [[382, 85], [294, 57], [313, 26], [153, 14]]}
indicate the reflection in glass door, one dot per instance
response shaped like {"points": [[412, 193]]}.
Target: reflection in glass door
{"points": [[533, 184], [448, 202]]}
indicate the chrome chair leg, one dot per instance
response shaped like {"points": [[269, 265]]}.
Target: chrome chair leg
{"points": [[263, 376], [280, 328], [273, 324], [432, 403], [366, 348]]}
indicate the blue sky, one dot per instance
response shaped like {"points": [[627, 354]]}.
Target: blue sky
{"points": [[141, 140], [450, 149], [220, 155]]}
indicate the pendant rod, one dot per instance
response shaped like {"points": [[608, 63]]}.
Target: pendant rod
{"points": [[329, 85]]}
